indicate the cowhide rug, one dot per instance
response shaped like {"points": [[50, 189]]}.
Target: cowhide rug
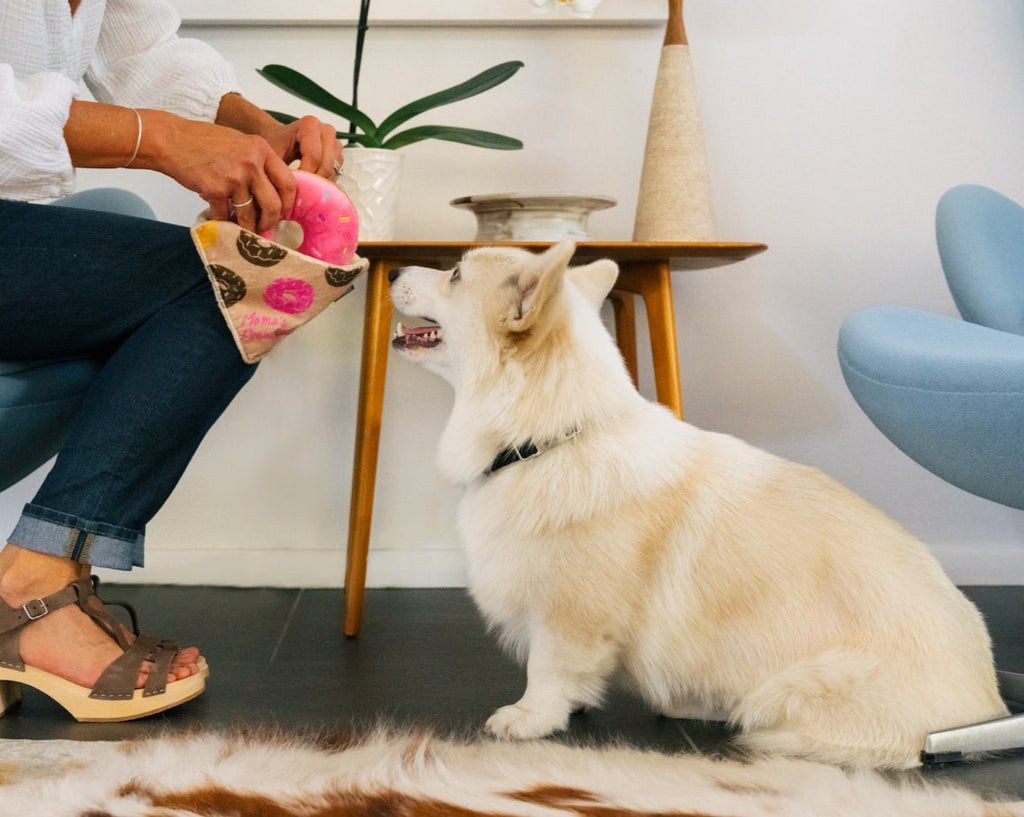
{"points": [[391, 773]]}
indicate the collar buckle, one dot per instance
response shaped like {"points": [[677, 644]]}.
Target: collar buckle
{"points": [[35, 609]]}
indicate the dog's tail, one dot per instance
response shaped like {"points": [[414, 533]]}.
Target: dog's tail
{"points": [[835, 708]]}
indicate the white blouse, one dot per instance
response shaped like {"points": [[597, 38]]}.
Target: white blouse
{"points": [[126, 51]]}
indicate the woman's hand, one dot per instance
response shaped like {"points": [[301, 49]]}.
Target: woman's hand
{"points": [[238, 165], [239, 175], [312, 142]]}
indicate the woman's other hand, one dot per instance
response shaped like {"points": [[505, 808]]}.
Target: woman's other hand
{"points": [[313, 143]]}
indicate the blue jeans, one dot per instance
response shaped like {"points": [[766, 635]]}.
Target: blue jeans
{"points": [[133, 293]]}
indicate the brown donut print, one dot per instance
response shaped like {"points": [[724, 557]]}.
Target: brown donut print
{"points": [[230, 283], [259, 251], [338, 277]]}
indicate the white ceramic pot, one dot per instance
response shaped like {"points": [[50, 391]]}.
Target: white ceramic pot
{"points": [[371, 177], [532, 216]]}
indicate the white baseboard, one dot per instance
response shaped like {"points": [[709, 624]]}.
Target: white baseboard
{"points": [[978, 565], [293, 568]]}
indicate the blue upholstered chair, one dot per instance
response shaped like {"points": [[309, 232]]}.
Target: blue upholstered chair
{"points": [[950, 392], [38, 399]]}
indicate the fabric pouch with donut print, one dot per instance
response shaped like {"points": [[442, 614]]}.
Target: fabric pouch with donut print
{"points": [[265, 290]]}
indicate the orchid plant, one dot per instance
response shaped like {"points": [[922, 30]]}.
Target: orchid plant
{"points": [[369, 133]]}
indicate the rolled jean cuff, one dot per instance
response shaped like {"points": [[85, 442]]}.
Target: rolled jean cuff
{"points": [[96, 543]]}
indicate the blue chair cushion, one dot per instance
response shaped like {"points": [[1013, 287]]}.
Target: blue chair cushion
{"points": [[948, 393], [109, 200]]}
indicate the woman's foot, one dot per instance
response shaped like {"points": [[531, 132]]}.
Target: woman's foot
{"points": [[67, 642]]}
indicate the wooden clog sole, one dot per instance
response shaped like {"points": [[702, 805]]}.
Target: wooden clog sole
{"points": [[75, 699]]}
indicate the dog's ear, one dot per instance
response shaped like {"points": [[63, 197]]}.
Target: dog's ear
{"points": [[538, 284], [595, 280]]}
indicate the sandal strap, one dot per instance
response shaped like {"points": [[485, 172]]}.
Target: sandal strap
{"points": [[117, 683], [156, 681], [96, 609], [13, 619], [129, 609]]}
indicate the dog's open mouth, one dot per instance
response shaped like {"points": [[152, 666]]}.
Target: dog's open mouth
{"points": [[417, 337]]}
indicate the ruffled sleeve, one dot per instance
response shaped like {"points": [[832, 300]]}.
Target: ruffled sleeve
{"points": [[34, 160], [141, 62]]}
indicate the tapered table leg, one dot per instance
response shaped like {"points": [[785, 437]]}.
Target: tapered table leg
{"points": [[625, 330], [652, 280], [376, 335]]}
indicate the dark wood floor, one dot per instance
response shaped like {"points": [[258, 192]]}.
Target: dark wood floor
{"points": [[278, 659]]}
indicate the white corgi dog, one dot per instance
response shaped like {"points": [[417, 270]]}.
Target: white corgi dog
{"points": [[605, 538]]}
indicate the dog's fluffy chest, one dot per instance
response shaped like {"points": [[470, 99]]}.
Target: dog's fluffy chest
{"points": [[571, 529]]}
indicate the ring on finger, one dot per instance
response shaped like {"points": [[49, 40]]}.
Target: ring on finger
{"points": [[245, 203], [337, 168]]}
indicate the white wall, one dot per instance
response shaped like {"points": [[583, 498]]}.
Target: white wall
{"points": [[832, 130]]}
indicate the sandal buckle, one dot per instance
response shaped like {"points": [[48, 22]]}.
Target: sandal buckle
{"points": [[35, 609]]}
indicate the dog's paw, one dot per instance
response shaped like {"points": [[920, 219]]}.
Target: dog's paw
{"points": [[516, 722]]}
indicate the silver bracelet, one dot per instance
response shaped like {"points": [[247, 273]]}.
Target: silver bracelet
{"points": [[138, 140]]}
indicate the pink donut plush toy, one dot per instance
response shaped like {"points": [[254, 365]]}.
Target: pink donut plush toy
{"points": [[327, 217], [269, 285]]}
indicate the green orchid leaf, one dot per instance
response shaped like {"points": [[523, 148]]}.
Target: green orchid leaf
{"points": [[464, 136], [301, 86], [471, 87]]}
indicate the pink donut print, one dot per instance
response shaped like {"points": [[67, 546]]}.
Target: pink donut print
{"points": [[290, 295], [330, 225]]}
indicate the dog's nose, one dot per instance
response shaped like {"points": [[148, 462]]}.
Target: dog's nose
{"points": [[393, 274]]}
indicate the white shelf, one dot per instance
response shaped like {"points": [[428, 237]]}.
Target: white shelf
{"points": [[414, 13]]}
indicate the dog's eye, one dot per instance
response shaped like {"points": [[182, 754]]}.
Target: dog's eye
{"points": [[456, 276]]}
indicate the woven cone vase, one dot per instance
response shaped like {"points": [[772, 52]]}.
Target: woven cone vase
{"points": [[674, 202]]}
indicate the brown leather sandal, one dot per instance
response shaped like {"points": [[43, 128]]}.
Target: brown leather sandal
{"points": [[114, 697]]}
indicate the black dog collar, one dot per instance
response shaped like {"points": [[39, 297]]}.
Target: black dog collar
{"points": [[526, 451]]}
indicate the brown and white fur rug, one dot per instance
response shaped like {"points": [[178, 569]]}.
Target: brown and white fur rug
{"points": [[391, 773]]}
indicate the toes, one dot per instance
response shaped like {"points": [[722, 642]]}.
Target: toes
{"points": [[183, 667], [185, 664], [180, 673]]}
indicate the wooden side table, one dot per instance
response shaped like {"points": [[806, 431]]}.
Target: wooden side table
{"points": [[644, 270]]}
